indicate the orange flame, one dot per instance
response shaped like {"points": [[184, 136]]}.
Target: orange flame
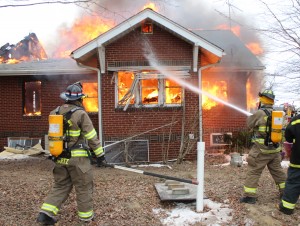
{"points": [[90, 103], [152, 94], [82, 31], [27, 49], [12, 61], [252, 101], [218, 89], [236, 29], [150, 6], [255, 48]]}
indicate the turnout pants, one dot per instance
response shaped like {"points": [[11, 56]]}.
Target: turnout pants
{"points": [[77, 172], [257, 161], [292, 188]]}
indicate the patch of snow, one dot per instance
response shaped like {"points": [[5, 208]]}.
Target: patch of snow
{"points": [[184, 214], [14, 156]]}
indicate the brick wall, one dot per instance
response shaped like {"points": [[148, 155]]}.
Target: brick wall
{"points": [[222, 118], [12, 121], [119, 124]]}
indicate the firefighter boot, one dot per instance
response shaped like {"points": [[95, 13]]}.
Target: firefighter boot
{"points": [[44, 219], [88, 220], [248, 199], [284, 210]]}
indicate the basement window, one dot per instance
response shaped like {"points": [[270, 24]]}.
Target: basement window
{"points": [[146, 89], [132, 151], [90, 89], [32, 98]]}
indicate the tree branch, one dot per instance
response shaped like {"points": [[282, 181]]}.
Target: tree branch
{"points": [[43, 3]]}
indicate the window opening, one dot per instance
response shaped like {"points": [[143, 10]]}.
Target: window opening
{"points": [[173, 92], [215, 88], [90, 103], [32, 106], [125, 89], [147, 88], [147, 28]]}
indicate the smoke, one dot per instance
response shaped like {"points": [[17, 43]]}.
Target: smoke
{"points": [[191, 14]]}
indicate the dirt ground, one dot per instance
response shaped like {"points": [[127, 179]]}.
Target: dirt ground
{"points": [[125, 198]]}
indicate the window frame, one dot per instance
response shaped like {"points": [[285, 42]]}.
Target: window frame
{"points": [[26, 97], [149, 25], [138, 103]]}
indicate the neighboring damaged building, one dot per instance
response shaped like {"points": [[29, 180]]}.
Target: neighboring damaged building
{"points": [[142, 77]]}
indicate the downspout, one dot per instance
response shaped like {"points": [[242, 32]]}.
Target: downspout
{"points": [[100, 129], [200, 149], [200, 98]]}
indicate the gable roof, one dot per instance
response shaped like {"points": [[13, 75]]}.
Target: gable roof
{"points": [[134, 21], [237, 54]]}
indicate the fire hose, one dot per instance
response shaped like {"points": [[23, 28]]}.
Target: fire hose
{"points": [[193, 181]]}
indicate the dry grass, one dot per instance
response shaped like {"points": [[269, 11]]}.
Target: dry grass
{"points": [[125, 198]]}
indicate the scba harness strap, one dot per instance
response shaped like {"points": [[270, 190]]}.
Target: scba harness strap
{"points": [[268, 141], [66, 153]]}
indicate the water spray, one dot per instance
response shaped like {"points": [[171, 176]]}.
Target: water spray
{"points": [[153, 62]]}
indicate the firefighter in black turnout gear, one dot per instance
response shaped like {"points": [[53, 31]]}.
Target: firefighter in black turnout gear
{"points": [[292, 188], [73, 166], [264, 153]]}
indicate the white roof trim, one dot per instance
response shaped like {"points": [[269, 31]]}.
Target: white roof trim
{"points": [[131, 22]]}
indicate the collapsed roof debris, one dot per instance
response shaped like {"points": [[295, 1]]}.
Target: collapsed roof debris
{"points": [[28, 49]]}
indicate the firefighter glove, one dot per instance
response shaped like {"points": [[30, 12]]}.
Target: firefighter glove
{"points": [[101, 162]]}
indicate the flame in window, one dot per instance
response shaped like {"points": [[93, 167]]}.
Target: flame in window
{"points": [[147, 28], [32, 106], [173, 92], [149, 91], [218, 89], [252, 101], [125, 79], [148, 87], [90, 103]]}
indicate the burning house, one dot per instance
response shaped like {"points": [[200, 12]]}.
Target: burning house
{"points": [[27, 49], [142, 78]]}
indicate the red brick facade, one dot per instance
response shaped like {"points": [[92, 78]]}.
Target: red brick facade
{"points": [[119, 124]]}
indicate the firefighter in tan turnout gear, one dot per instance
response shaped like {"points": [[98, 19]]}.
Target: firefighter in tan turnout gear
{"points": [[264, 152], [73, 166]]}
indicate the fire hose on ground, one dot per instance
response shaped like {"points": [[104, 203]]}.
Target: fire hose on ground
{"points": [[199, 181], [193, 181]]}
